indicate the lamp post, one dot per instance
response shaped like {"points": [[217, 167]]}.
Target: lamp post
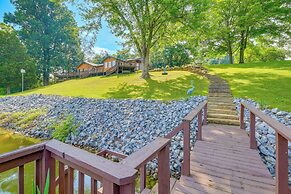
{"points": [[22, 71]]}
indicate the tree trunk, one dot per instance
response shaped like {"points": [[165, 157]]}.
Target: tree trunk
{"points": [[8, 89], [146, 63], [243, 45], [45, 78], [241, 48], [230, 53]]}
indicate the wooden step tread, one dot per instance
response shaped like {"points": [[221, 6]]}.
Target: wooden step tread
{"points": [[223, 163]]}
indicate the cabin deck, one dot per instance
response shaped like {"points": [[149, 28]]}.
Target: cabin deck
{"points": [[224, 163]]}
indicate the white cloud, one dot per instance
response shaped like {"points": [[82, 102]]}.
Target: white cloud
{"points": [[100, 49]]}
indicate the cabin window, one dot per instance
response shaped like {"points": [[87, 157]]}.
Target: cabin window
{"points": [[113, 63]]}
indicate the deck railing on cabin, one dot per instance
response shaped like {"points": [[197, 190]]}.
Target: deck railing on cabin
{"points": [[283, 135], [114, 178]]}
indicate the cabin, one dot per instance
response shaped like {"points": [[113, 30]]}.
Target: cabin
{"points": [[90, 67], [110, 62], [137, 63]]}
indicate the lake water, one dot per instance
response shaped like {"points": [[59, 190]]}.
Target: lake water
{"points": [[9, 179]]}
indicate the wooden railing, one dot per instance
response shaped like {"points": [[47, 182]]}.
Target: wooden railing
{"points": [[185, 127], [283, 135], [113, 177]]}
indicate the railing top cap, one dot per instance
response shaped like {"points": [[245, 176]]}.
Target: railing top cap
{"points": [[21, 152], [146, 153], [112, 171], [195, 111], [277, 126]]}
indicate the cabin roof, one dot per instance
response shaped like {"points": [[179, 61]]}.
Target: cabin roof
{"points": [[112, 57], [91, 64]]}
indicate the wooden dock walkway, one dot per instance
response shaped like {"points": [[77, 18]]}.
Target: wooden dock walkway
{"points": [[224, 163]]}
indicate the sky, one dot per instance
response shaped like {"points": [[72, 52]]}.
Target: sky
{"points": [[105, 39]]}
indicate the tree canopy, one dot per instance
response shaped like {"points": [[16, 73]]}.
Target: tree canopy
{"points": [[13, 58], [50, 34], [144, 23]]}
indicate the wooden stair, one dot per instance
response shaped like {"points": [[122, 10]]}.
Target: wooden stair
{"points": [[221, 109], [111, 70]]}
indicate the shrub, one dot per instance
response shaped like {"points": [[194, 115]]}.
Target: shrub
{"points": [[64, 129]]}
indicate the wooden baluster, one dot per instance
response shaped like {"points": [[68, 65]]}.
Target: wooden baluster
{"points": [[93, 186], [48, 164], [81, 183], [164, 171], [281, 164], [61, 178], [37, 174], [143, 177], [66, 179], [242, 115], [70, 180], [111, 188], [199, 132], [186, 149], [205, 115], [126, 189], [21, 179], [253, 142]]}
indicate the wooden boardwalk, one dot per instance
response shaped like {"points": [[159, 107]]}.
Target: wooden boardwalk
{"points": [[224, 163]]}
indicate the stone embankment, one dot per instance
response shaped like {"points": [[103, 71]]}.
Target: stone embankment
{"points": [[119, 125]]}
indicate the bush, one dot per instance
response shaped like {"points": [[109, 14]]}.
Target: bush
{"points": [[64, 129]]}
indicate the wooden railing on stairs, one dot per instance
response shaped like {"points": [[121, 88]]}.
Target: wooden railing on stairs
{"points": [[185, 127], [283, 135], [114, 177]]}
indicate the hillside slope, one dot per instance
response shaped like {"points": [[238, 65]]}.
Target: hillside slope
{"points": [[169, 87], [268, 83]]}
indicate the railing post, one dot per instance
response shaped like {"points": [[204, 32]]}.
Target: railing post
{"points": [[164, 170], [70, 182], [281, 164], [253, 142], [81, 183], [48, 164], [205, 115], [242, 115], [111, 188], [21, 179], [143, 177], [37, 174], [199, 132], [61, 177], [186, 149]]}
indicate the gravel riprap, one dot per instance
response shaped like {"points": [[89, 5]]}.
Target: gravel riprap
{"points": [[119, 125]]}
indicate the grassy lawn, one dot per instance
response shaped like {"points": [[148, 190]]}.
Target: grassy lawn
{"points": [[172, 86], [267, 83]]}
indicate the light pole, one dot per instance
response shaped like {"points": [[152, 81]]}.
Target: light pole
{"points": [[22, 71]]}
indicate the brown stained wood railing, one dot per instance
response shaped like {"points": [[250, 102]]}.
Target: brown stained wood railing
{"points": [[185, 127], [283, 135], [115, 178], [158, 148]]}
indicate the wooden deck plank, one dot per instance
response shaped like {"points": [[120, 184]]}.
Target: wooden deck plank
{"points": [[224, 163]]}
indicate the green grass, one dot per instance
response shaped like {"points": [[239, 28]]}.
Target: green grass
{"points": [[162, 87], [267, 83]]}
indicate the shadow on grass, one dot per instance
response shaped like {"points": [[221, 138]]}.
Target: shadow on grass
{"points": [[165, 90], [268, 89]]}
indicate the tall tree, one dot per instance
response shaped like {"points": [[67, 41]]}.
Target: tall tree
{"points": [[177, 55], [49, 32], [144, 22], [234, 23], [13, 58]]}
